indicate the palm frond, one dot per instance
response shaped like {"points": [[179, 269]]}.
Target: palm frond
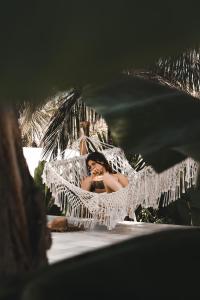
{"points": [[64, 125], [182, 70], [34, 119], [55, 136], [136, 161], [32, 124]]}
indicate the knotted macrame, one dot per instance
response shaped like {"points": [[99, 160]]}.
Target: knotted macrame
{"points": [[83, 208]]}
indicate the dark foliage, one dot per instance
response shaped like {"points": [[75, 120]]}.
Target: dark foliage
{"points": [[51, 209]]}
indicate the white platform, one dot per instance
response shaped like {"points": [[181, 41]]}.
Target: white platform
{"points": [[69, 244]]}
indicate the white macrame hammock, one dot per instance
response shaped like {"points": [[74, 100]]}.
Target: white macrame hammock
{"points": [[146, 187]]}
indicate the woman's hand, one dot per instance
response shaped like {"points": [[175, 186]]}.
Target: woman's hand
{"points": [[97, 172]]}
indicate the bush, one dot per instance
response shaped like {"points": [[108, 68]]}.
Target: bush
{"points": [[51, 208]]}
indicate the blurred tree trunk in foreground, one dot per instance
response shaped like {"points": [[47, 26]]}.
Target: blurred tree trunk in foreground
{"points": [[22, 214]]}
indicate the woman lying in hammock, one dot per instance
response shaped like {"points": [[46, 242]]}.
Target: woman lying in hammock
{"points": [[102, 178]]}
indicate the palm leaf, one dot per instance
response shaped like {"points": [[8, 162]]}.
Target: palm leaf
{"points": [[102, 40], [64, 125], [32, 124], [34, 119], [136, 161], [157, 121], [183, 70]]}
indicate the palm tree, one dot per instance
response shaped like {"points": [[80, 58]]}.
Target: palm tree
{"points": [[57, 124], [64, 126]]}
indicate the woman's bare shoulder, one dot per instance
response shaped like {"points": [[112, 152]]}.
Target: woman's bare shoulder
{"points": [[119, 175], [122, 179]]}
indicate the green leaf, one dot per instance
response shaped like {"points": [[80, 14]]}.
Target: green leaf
{"points": [[47, 46], [157, 121]]}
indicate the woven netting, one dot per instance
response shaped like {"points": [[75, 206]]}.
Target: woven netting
{"points": [[63, 177], [145, 187]]}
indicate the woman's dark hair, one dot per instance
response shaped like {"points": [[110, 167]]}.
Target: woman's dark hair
{"points": [[100, 159]]}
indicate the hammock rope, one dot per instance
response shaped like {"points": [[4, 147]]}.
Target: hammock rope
{"points": [[83, 208]]}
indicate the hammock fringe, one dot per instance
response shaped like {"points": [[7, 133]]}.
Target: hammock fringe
{"points": [[145, 188]]}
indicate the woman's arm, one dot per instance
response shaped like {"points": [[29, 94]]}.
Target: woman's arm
{"points": [[111, 182], [86, 183], [123, 180], [84, 132]]}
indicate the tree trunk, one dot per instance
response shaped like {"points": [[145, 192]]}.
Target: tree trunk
{"points": [[22, 213]]}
